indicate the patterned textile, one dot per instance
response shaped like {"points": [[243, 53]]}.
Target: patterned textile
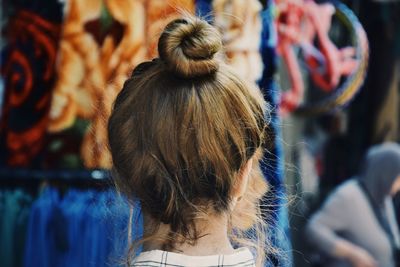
{"points": [[27, 66], [239, 22], [102, 42], [273, 161]]}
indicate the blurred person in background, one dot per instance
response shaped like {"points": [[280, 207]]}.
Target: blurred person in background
{"points": [[356, 226]]}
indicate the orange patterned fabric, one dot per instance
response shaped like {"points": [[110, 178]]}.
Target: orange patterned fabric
{"points": [[28, 72], [239, 22], [94, 62]]}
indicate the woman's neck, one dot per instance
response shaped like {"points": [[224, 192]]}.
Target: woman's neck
{"points": [[213, 239]]}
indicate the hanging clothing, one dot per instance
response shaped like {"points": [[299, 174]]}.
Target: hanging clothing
{"points": [[204, 9], [14, 210], [79, 228], [41, 249], [100, 45], [272, 164], [241, 35], [28, 58]]}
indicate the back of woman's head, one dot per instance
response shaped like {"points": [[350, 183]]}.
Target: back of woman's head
{"points": [[182, 128]]}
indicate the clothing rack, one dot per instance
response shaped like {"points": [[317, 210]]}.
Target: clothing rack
{"points": [[96, 178]]}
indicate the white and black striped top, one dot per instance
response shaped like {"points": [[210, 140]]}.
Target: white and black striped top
{"points": [[158, 258]]}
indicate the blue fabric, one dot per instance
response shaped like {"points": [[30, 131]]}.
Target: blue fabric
{"points": [[80, 228], [10, 212], [272, 164], [24, 208], [74, 206], [204, 9], [39, 250]]}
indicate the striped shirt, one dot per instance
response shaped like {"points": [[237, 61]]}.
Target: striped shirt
{"points": [[158, 258]]}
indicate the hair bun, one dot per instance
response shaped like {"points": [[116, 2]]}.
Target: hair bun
{"points": [[188, 47]]}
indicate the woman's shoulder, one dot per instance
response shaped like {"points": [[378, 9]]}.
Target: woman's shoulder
{"points": [[241, 257], [348, 187]]}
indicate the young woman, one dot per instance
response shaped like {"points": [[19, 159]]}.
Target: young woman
{"points": [[185, 135]]}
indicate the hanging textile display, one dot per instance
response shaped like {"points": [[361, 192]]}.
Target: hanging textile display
{"points": [[309, 51], [43, 232], [27, 67], [98, 219], [241, 35], [204, 9], [246, 32], [102, 41], [15, 208], [273, 163]]}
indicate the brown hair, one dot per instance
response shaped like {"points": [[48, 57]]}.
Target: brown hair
{"points": [[182, 128]]}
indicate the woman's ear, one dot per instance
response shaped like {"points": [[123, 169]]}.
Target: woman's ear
{"points": [[396, 186], [242, 180]]}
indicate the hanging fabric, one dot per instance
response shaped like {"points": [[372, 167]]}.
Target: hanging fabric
{"points": [[79, 228], [14, 209], [102, 42], [28, 58], [272, 164]]}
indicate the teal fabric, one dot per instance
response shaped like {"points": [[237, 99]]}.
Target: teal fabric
{"points": [[21, 224], [79, 228], [14, 210]]}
